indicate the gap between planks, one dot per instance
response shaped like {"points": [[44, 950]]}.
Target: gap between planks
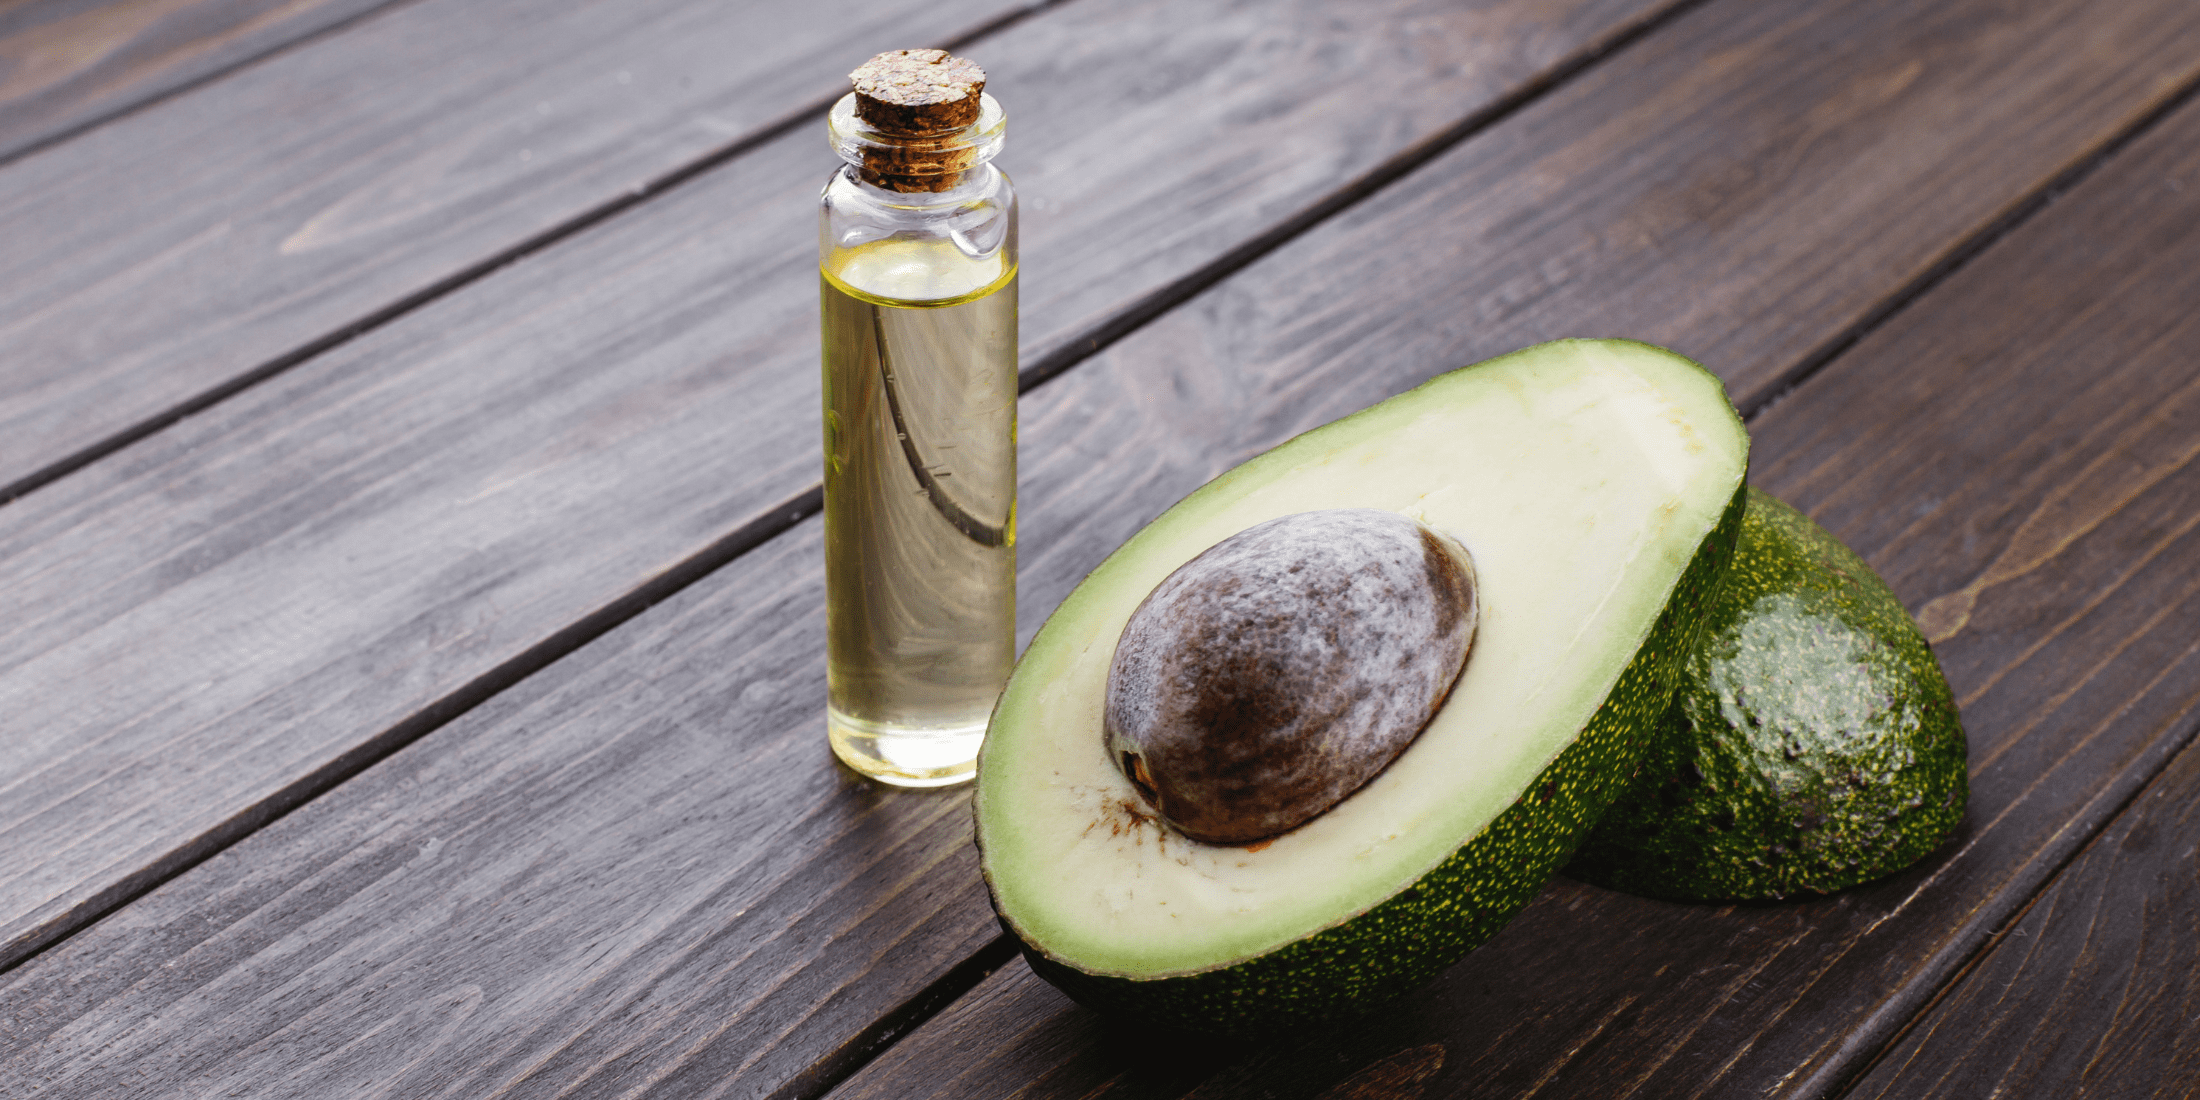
{"points": [[1879, 1033], [861, 1049], [1965, 251], [587, 219], [1884, 1030], [162, 95], [770, 523]]}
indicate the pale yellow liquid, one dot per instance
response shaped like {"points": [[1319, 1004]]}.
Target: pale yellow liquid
{"points": [[920, 505]]}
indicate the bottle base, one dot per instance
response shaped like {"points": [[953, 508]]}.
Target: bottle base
{"points": [[902, 756]]}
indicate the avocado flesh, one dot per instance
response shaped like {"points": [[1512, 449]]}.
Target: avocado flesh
{"points": [[1596, 486], [1812, 743]]}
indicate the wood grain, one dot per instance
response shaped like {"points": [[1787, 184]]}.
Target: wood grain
{"points": [[2029, 422], [66, 64], [216, 622], [280, 590], [200, 981], [1616, 207], [217, 236], [643, 874], [361, 392], [1236, 123], [2092, 992]]}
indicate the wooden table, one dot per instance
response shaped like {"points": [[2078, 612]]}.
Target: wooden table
{"points": [[410, 614]]}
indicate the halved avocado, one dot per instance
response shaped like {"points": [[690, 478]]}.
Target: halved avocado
{"points": [[1812, 743], [1597, 485]]}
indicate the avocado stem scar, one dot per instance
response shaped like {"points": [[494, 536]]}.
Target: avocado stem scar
{"points": [[1142, 779]]}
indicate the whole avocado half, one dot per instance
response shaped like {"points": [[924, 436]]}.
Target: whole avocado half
{"points": [[1597, 485], [1812, 743]]}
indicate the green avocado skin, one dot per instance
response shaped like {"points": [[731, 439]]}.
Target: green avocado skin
{"points": [[1812, 743], [1398, 945]]}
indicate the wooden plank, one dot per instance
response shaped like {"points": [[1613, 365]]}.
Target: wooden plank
{"points": [[2021, 436], [160, 261], [727, 865], [67, 64], [642, 873], [225, 952], [225, 618], [2091, 992]]}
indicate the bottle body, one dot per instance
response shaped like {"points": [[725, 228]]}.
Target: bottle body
{"points": [[918, 309]]}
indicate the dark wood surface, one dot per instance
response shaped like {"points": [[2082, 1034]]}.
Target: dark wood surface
{"points": [[586, 382], [157, 263], [636, 867], [68, 64], [624, 864], [2052, 436], [2090, 990], [440, 501]]}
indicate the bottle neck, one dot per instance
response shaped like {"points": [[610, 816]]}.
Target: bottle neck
{"points": [[908, 163]]}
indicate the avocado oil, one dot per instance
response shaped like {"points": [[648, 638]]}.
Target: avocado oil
{"points": [[917, 261]]}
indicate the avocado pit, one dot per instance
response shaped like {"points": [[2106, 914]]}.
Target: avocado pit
{"points": [[1276, 673]]}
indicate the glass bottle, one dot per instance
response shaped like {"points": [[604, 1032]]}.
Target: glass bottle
{"points": [[917, 263]]}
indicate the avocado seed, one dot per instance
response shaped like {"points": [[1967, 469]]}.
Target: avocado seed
{"points": [[1276, 673]]}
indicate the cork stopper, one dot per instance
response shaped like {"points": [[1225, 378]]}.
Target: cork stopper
{"points": [[917, 120], [918, 91]]}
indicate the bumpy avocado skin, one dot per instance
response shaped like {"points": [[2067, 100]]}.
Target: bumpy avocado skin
{"points": [[1812, 743], [1393, 948]]}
